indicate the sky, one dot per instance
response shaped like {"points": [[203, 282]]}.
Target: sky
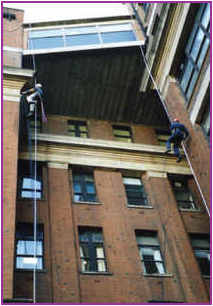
{"points": [[37, 12]]}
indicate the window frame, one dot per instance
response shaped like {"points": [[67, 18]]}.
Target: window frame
{"points": [[23, 173], [206, 250], [82, 182], [150, 234], [125, 26], [92, 247], [122, 128], [29, 231], [185, 188], [77, 125], [196, 65], [144, 198]]}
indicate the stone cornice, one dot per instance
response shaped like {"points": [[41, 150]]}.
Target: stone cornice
{"points": [[109, 154], [13, 80]]}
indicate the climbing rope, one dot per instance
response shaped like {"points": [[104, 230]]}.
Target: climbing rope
{"points": [[35, 190]]}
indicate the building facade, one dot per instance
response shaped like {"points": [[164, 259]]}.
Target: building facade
{"points": [[117, 220]]}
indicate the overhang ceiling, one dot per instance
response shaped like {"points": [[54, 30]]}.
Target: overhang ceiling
{"points": [[101, 84]]}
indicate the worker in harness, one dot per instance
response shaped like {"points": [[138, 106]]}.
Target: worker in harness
{"points": [[33, 96], [179, 133]]}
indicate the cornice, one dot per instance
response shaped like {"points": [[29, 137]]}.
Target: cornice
{"points": [[109, 154]]}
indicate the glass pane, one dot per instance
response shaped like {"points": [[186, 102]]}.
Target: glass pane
{"points": [[78, 197], [77, 187], [46, 43], [29, 262], [115, 27], [84, 251], [84, 236], [90, 188], [116, 37], [123, 139], [186, 76], [83, 128], [25, 247], [91, 198], [192, 84], [101, 265], [46, 33], [203, 52], [99, 252], [206, 16], [196, 44], [147, 240], [131, 181], [79, 30], [182, 195], [29, 183], [30, 194], [85, 265], [204, 262], [72, 134], [82, 40], [89, 178], [160, 267], [191, 38], [97, 237], [121, 133], [150, 267]]}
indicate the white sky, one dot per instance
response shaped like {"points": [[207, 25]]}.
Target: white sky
{"points": [[36, 12]]}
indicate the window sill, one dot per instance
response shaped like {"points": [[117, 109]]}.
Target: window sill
{"points": [[87, 203], [189, 210], [96, 273], [31, 270], [140, 206], [206, 276], [158, 275]]}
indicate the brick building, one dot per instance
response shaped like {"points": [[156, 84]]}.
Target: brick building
{"points": [[118, 220]]}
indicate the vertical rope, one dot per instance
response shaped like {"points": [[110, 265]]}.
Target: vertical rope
{"points": [[35, 210], [35, 190]]}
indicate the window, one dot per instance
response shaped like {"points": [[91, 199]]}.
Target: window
{"points": [[81, 36], [135, 192], [201, 246], [122, 133], [92, 250], [149, 249], [26, 247], [77, 128], [162, 136], [84, 187], [27, 185], [196, 50], [182, 193], [205, 120]]}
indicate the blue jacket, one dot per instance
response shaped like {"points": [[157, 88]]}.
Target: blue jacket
{"points": [[179, 130]]}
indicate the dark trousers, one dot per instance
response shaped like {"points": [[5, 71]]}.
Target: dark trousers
{"points": [[176, 140]]}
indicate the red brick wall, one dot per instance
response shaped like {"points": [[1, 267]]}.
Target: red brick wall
{"points": [[10, 153], [13, 37], [197, 146], [125, 283], [100, 129]]}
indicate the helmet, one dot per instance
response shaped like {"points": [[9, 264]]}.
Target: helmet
{"points": [[38, 85], [176, 120]]}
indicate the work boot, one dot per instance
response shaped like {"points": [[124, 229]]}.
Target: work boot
{"points": [[179, 159], [168, 150]]}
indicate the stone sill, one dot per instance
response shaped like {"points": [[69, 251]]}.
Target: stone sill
{"points": [[189, 210], [158, 275], [96, 273], [87, 203], [140, 207]]}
